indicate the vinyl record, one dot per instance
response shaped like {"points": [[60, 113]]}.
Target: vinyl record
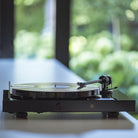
{"points": [[53, 90]]}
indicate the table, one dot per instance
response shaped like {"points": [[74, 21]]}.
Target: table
{"points": [[25, 71]]}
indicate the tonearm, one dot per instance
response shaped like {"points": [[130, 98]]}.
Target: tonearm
{"points": [[104, 80]]}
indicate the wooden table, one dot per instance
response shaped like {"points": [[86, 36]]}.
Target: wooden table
{"points": [[25, 71]]}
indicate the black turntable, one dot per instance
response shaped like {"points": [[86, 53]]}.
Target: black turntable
{"points": [[66, 97]]}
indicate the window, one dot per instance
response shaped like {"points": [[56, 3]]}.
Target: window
{"points": [[34, 28], [104, 41]]}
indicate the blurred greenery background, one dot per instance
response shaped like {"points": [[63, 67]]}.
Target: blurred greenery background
{"points": [[103, 39]]}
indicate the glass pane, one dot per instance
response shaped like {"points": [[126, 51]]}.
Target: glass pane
{"points": [[104, 41], [34, 28]]}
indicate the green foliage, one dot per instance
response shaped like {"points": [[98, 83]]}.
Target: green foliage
{"points": [[29, 15], [86, 64], [133, 91], [119, 67], [93, 55], [33, 45], [134, 115], [77, 45], [29, 21], [90, 17], [126, 42], [102, 43], [122, 66]]}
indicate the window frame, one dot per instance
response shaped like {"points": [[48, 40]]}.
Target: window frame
{"points": [[61, 36], [6, 28]]}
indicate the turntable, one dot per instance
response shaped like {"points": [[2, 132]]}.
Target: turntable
{"points": [[66, 97]]}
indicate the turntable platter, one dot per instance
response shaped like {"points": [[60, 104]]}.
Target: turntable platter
{"points": [[53, 90]]}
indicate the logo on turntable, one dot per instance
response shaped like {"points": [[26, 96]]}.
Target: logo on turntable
{"points": [[91, 105]]}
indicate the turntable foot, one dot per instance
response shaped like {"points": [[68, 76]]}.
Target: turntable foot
{"points": [[105, 114], [113, 114], [22, 115], [110, 114]]}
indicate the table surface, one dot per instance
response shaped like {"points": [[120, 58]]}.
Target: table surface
{"points": [[25, 71]]}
